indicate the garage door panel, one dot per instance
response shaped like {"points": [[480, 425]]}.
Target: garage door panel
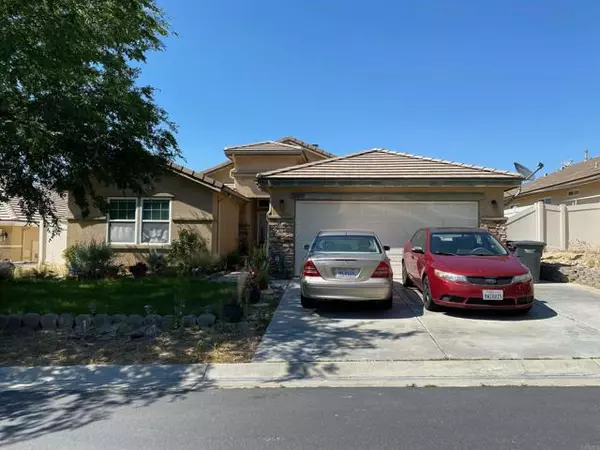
{"points": [[394, 222]]}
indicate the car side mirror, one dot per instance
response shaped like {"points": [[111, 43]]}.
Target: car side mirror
{"points": [[417, 249], [386, 248], [306, 247]]}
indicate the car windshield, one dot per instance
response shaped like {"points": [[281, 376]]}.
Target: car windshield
{"points": [[346, 244], [466, 243]]}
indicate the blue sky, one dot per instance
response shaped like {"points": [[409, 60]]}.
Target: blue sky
{"points": [[482, 82]]}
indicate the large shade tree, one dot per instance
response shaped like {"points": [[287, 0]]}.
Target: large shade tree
{"points": [[72, 112]]}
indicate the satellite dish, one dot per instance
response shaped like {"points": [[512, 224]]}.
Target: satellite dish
{"points": [[527, 173]]}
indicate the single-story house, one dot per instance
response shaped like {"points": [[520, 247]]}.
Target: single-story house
{"points": [[281, 192], [27, 241], [575, 184]]}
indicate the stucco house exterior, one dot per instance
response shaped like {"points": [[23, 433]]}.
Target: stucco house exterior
{"points": [[575, 184], [281, 192]]}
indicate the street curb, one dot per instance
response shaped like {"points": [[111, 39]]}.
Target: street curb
{"points": [[442, 373]]}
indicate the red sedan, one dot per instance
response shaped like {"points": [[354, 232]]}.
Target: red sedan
{"points": [[465, 268]]}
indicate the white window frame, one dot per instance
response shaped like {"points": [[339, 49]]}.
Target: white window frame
{"points": [[134, 221], [573, 193], [141, 221]]}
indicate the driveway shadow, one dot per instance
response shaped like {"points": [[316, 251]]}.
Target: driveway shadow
{"points": [[309, 340], [33, 412], [540, 311]]}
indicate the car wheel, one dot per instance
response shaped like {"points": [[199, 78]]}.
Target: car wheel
{"points": [[388, 303], [428, 302], [308, 303], [406, 281]]}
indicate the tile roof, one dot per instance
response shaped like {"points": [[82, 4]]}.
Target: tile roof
{"points": [[386, 164], [312, 147], [580, 172], [205, 180], [13, 212], [217, 167], [265, 146]]}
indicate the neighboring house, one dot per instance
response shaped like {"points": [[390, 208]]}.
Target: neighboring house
{"points": [[27, 241], [282, 192], [575, 184]]}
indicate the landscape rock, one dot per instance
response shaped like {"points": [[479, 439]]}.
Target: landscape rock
{"points": [[7, 270], [83, 321], [49, 321], [122, 329], [206, 320], [118, 318], [3, 320], [66, 321], [106, 332], [243, 326], [168, 322], [31, 320], [13, 323], [144, 331], [100, 320], [135, 320], [153, 319], [189, 321]]}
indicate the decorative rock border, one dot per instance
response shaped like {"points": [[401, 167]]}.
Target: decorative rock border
{"points": [[562, 273], [84, 323]]}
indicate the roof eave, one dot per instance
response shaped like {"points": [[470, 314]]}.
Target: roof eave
{"points": [[563, 185], [380, 182]]}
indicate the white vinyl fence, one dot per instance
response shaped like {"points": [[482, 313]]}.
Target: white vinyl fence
{"points": [[560, 227]]}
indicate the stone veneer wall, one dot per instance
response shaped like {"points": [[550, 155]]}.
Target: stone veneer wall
{"points": [[496, 226], [281, 247]]}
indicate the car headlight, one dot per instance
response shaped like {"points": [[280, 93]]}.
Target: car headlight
{"points": [[450, 276], [522, 278]]}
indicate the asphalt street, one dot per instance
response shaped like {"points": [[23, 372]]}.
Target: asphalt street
{"points": [[325, 418]]}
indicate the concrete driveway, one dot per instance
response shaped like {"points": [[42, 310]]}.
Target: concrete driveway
{"points": [[564, 323]]}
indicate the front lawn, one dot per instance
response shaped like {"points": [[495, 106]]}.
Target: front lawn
{"points": [[120, 296]]}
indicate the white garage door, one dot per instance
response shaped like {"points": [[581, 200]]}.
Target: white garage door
{"points": [[394, 222]]}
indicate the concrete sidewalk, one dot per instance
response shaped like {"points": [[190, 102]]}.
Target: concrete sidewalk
{"points": [[460, 373]]}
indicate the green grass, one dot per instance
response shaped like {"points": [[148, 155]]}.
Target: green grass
{"points": [[120, 296]]}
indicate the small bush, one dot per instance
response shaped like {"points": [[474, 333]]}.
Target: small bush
{"points": [[190, 255], [233, 260], [7, 270], [156, 262], [138, 270], [89, 260], [258, 266]]}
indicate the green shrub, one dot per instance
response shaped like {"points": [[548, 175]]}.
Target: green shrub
{"points": [[233, 260], [7, 270], [190, 255], [258, 265], [156, 262], [89, 260]]}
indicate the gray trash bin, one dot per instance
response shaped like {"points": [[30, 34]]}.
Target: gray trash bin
{"points": [[530, 254]]}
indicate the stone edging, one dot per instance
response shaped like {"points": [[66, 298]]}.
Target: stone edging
{"points": [[562, 273]]}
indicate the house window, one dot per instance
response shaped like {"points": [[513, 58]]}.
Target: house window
{"points": [[548, 200], [156, 221], [121, 220], [573, 193]]}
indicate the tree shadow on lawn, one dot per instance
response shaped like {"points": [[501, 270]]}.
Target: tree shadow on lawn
{"points": [[310, 341], [85, 396]]}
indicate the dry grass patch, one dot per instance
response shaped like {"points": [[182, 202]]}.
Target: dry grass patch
{"points": [[587, 258]]}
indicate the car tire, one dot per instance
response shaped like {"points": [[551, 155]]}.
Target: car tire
{"points": [[388, 303], [428, 302], [308, 303], [406, 281]]}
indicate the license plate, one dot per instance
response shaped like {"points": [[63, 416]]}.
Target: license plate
{"points": [[346, 273], [493, 295]]}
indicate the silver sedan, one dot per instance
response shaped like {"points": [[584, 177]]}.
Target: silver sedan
{"points": [[346, 265]]}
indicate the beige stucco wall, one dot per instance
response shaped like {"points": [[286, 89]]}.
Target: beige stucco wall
{"points": [[560, 196], [487, 209], [192, 206], [228, 222], [223, 175], [247, 166], [22, 243]]}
